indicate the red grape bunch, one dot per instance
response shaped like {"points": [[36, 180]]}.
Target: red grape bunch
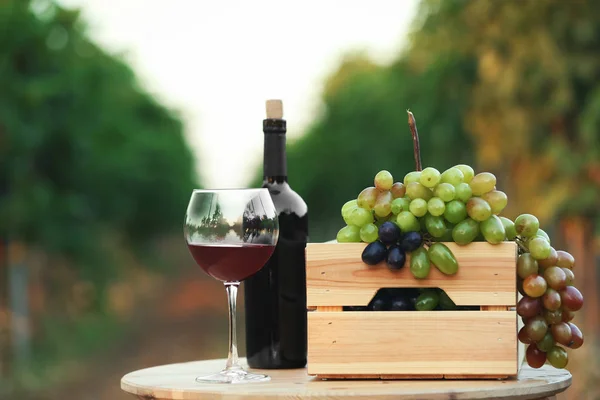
{"points": [[545, 279]]}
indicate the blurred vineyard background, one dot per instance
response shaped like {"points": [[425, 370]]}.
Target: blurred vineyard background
{"points": [[95, 280]]}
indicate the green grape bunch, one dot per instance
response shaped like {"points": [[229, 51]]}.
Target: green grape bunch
{"points": [[429, 207]]}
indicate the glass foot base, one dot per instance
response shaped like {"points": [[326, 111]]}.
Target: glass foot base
{"points": [[233, 376]]}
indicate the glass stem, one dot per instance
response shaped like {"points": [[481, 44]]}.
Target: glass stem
{"points": [[232, 357]]}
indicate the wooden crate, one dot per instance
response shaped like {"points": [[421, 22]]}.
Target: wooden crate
{"points": [[412, 344]]}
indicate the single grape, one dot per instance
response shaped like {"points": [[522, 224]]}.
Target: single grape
{"points": [[383, 205], [555, 277], [522, 336], [348, 206], [445, 191], [496, 199], [534, 356], [435, 225], [553, 317], [419, 263], [509, 228], [557, 357], [465, 231], [367, 198], [546, 343], [443, 259], [398, 190], [551, 300], [408, 222], [478, 209], [360, 217], [536, 328], [347, 216], [565, 260], [567, 315], [396, 258], [482, 183], [534, 285], [389, 233], [571, 298], [368, 233], [415, 190], [467, 171], [562, 333], [542, 233], [348, 234], [418, 207], [401, 304], [384, 180], [527, 225], [453, 176], [411, 241], [529, 307], [374, 253], [576, 338], [436, 206], [549, 261], [400, 204], [539, 248], [455, 212], [414, 176], [570, 276], [429, 177], [428, 300], [463, 192], [492, 229]]}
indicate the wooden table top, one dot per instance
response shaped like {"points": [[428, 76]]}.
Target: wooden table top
{"points": [[177, 382]]}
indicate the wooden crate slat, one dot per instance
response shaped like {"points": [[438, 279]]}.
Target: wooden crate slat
{"points": [[412, 343], [336, 276]]}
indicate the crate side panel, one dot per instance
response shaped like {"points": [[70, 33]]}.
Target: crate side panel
{"points": [[336, 275], [413, 343]]}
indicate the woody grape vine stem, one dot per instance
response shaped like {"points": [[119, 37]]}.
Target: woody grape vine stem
{"points": [[412, 124]]}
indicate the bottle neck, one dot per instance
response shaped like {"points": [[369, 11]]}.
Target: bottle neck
{"points": [[274, 162]]}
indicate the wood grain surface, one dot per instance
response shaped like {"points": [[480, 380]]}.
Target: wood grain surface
{"points": [[177, 382], [336, 276], [482, 343]]}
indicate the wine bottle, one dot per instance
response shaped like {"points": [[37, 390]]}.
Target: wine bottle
{"points": [[275, 297]]}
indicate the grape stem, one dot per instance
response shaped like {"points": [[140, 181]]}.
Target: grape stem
{"points": [[522, 248], [427, 240], [412, 124]]}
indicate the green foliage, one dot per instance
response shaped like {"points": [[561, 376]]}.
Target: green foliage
{"points": [[87, 156], [533, 108], [509, 86], [364, 129]]}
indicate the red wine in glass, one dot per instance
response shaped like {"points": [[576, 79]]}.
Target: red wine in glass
{"points": [[231, 263], [231, 234]]}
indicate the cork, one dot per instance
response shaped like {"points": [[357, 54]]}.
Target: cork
{"points": [[274, 109]]}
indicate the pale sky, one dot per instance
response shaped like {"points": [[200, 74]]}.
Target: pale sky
{"points": [[216, 62]]}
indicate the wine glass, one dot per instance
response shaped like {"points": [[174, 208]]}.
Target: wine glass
{"points": [[231, 233]]}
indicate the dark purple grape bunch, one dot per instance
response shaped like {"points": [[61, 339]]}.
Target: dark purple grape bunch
{"points": [[392, 246]]}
